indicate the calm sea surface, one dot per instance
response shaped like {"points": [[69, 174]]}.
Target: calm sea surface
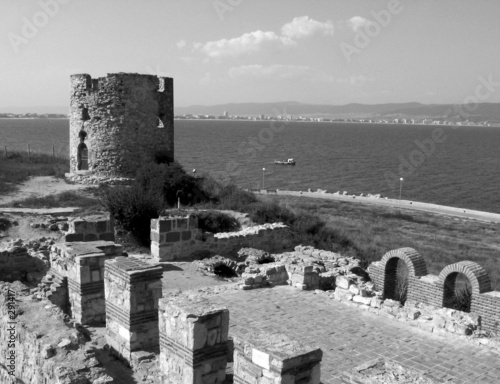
{"points": [[463, 170]]}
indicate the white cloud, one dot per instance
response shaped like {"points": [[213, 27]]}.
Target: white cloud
{"points": [[303, 26], [276, 71], [246, 43], [357, 22], [181, 44], [356, 79], [252, 42]]}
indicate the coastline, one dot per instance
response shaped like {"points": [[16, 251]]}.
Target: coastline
{"points": [[394, 203]]}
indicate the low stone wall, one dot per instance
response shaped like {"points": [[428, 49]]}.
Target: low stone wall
{"points": [[41, 348], [305, 268], [262, 357], [177, 238], [438, 291], [362, 294], [90, 228]]}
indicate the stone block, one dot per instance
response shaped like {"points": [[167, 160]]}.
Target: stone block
{"points": [[71, 237], [108, 236], [186, 235], [261, 357], [91, 237], [362, 300], [154, 236], [182, 223], [343, 282], [79, 226], [193, 342], [172, 237], [165, 225]]}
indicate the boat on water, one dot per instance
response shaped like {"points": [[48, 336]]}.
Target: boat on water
{"points": [[285, 162]]}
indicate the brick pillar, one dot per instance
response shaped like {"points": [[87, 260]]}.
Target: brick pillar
{"points": [[193, 343], [83, 264], [132, 289], [261, 357]]}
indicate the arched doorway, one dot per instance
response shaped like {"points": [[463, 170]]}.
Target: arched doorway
{"points": [[460, 282], [400, 266], [457, 292], [396, 280]]}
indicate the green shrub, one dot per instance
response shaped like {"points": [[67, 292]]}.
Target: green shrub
{"points": [[4, 224], [215, 222], [270, 212], [401, 291], [133, 208], [463, 294], [168, 179]]}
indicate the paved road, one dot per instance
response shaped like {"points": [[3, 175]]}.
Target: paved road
{"points": [[349, 336]]}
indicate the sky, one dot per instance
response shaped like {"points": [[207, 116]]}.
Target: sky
{"points": [[230, 51]]}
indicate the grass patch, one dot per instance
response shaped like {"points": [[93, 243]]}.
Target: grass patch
{"points": [[369, 231], [61, 200], [17, 167]]}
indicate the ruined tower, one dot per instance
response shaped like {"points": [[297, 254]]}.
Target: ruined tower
{"points": [[118, 123]]}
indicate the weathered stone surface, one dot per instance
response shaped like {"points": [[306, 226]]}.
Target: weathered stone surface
{"points": [[128, 121]]}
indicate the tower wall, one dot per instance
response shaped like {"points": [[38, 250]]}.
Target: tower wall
{"points": [[128, 120]]}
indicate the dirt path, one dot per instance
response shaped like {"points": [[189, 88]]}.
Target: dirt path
{"points": [[40, 186]]}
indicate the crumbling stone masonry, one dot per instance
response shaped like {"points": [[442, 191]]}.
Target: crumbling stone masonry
{"points": [[261, 357], [80, 268], [16, 261], [132, 289], [178, 237], [90, 228], [193, 343], [438, 291], [119, 123]]}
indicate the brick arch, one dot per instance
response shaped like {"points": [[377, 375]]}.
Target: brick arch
{"points": [[478, 277], [414, 261]]}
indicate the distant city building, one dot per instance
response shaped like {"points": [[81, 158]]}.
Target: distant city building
{"points": [[225, 114]]}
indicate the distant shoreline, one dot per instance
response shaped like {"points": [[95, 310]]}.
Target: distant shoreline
{"points": [[284, 121], [346, 122], [394, 203]]}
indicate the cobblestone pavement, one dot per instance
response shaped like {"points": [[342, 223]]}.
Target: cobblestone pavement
{"points": [[350, 336]]}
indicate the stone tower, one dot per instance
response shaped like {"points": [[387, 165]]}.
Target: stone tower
{"points": [[118, 123]]}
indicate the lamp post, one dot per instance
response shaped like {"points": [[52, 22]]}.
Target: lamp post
{"points": [[263, 173], [400, 187]]}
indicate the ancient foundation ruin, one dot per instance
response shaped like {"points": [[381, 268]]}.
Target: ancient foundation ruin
{"points": [[119, 123], [186, 339]]}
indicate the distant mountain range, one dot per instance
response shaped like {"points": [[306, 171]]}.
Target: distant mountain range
{"points": [[480, 112]]}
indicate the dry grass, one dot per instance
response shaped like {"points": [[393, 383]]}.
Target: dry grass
{"points": [[440, 239], [18, 167]]}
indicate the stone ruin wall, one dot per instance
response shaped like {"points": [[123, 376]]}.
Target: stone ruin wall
{"points": [[128, 118], [431, 290], [178, 238], [17, 260], [90, 228], [41, 357]]}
